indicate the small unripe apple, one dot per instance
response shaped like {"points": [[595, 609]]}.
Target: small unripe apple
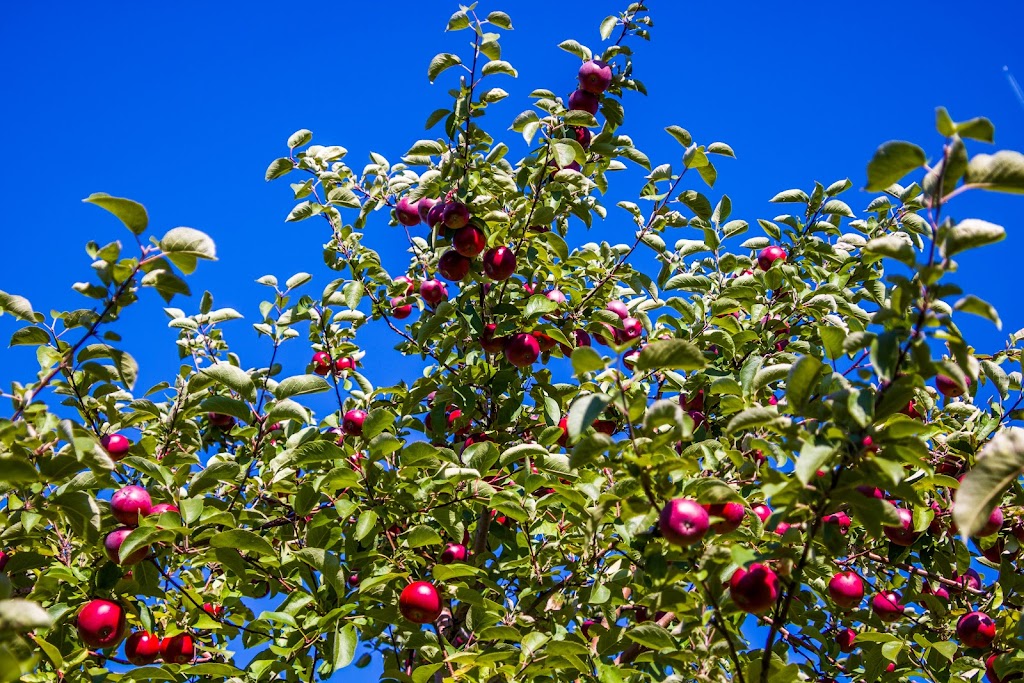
{"points": [[434, 292], [420, 602], [904, 534], [976, 629], [101, 623], [453, 266], [584, 101], [755, 590], [499, 263], [887, 606], [408, 213], [846, 589], [112, 546], [321, 363], [948, 387], [683, 522], [454, 552], [178, 649], [456, 215], [595, 76], [400, 311], [130, 503], [769, 255], [142, 648], [730, 514], [522, 349], [353, 421], [116, 445], [846, 638], [469, 241]]}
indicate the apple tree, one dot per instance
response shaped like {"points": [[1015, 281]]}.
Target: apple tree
{"points": [[772, 457]]}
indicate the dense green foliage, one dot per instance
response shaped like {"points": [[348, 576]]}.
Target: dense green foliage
{"points": [[800, 378]]}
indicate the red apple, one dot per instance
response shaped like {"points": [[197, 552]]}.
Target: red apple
{"points": [[499, 263], [976, 629], [423, 207], [618, 308], [161, 508], [400, 311], [631, 329], [321, 363], [730, 514], [769, 255], [435, 216], [683, 522], [221, 421], [112, 546], [469, 241], [911, 411], [434, 292], [4, 558], [846, 638], [453, 266], [555, 295], [142, 648], [420, 602], [215, 611], [595, 76], [763, 512], [408, 213], [522, 349], [840, 519], [754, 590], [948, 387], [846, 589], [116, 445], [994, 524], [583, 136], [545, 342], [178, 649], [584, 101], [904, 534], [871, 492], [454, 552], [585, 627], [353, 421], [101, 623], [455, 215], [992, 676], [130, 503], [887, 606], [970, 580]]}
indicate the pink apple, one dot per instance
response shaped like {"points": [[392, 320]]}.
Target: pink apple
{"points": [[595, 76], [469, 241], [112, 546], [434, 292], [683, 522], [887, 606], [769, 255], [499, 263], [846, 589], [976, 629], [130, 503], [456, 215], [584, 101], [407, 212], [754, 590], [116, 445], [904, 534], [453, 266], [353, 421], [522, 349]]}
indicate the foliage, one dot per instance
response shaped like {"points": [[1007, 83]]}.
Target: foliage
{"points": [[803, 382]]}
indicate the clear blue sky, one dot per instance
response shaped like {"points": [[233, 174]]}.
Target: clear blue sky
{"points": [[182, 106]]}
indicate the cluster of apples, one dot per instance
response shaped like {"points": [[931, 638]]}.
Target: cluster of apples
{"points": [[420, 601], [101, 624], [127, 505], [323, 365]]}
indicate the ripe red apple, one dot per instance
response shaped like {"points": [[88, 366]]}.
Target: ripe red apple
{"points": [[142, 648], [631, 329], [585, 627], [840, 519], [161, 508], [976, 629], [763, 512], [400, 311], [130, 503], [754, 590], [769, 255], [948, 387], [453, 266], [846, 589], [112, 546], [344, 364], [584, 101], [434, 292], [992, 676], [420, 602], [970, 580], [101, 623], [215, 611], [846, 638], [408, 213], [116, 445], [469, 241], [994, 524], [904, 534], [455, 215], [595, 76], [321, 363], [499, 263], [871, 492], [4, 558], [555, 295], [911, 411], [730, 514], [406, 284], [683, 522], [887, 606], [583, 136], [618, 308], [435, 216], [353, 580], [178, 649], [545, 342], [423, 207], [522, 349], [454, 552], [221, 421], [353, 421]]}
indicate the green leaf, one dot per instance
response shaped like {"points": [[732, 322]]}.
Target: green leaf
{"points": [[751, 418], [143, 536], [586, 359], [131, 213], [29, 336], [439, 63], [670, 354], [607, 26], [234, 378], [652, 636], [998, 465], [892, 161], [367, 522], [812, 457], [16, 469], [584, 411], [497, 66], [803, 377], [500, 19], [243, 540], [301, 384], [999, 172], [422, 535], [681, 135], [971, 233], [574, 48], [21, 616], [183, 246], [278, 168], [976, 306], [791, 196], [18, 306], [345, 642], [892, 246]]}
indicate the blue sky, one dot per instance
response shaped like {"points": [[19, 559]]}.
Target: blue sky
{"points": [[182, 105]]}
